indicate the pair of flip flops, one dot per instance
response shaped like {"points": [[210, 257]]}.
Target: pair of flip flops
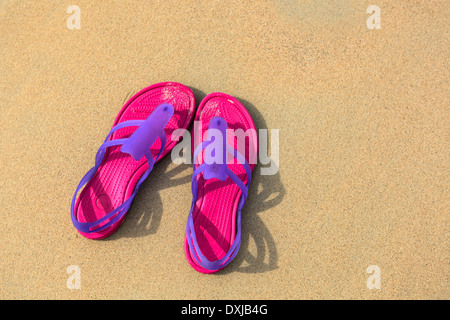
{"points": [[145, 131]]}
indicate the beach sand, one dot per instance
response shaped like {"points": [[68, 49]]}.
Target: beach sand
{"points": [[363, 146]]}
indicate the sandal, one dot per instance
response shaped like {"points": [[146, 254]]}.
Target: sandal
{"points": [[219, 187], [128, 154]]}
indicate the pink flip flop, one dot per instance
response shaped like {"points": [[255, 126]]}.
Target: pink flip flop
{"points": [[141, 136], [219, 186]]}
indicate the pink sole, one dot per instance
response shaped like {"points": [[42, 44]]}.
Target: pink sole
{"points": [[214, 214], [119, 173]]}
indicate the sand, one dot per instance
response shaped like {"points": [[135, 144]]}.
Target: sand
{"points": [[363, 140]]}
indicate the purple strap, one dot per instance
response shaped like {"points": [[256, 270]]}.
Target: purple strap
{"points": [[221, 171], [138, 146]]}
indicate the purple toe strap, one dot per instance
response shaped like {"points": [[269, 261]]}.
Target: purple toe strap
{"points": [[138, 146], [146, 134]]}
